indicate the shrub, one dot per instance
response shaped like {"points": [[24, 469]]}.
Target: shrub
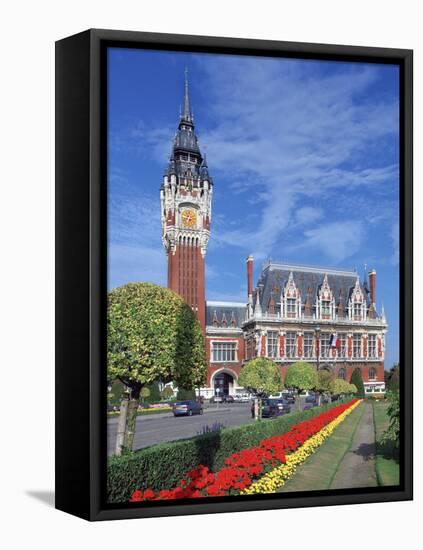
{"points": [[357, 380], [163, 465]]}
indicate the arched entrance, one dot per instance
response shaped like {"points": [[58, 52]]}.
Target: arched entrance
{"points": [[223, 383]]}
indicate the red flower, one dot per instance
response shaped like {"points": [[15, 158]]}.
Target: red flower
{"points": [[136, 496], [241, 468]]}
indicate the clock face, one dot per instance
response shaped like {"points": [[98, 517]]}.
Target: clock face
{"points": [[189, 218]]}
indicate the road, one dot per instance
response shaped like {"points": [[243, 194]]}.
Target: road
{"points": [[160, 428]]}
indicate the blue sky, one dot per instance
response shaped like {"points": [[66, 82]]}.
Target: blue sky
{"points": [[304, 156]]}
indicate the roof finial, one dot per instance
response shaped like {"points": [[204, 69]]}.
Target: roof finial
{"points": [[186, 111]]}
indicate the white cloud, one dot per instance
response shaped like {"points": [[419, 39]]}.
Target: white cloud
{"points": [[289, 134], [337, 240]]}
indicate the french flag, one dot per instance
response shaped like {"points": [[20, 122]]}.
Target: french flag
{"points": [[335, 342]]}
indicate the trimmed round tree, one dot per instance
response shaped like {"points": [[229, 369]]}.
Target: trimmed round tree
{"points": [[324, 380], [352, 388], [340, 386], [301, 376], [357, 380], [152, 335], [261, 377]]}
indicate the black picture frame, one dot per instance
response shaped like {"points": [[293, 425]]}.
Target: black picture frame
{"points": [[81, 165]]}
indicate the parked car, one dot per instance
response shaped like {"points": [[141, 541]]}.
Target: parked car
{"points": [[310, 402], [187, 408], [242, 397], [289, 397], [216, 399], [228, 399], [311, 399], [270, 408], [283, 406]]}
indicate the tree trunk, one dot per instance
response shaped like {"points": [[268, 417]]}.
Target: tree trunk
{"points": [[127, 420], [121, 430], [257, 408], [131, 423]]}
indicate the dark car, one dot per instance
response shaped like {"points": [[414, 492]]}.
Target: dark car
{"points": [[310, 402], [228, 399], [270, 408], [187, 408], [284, 406], [311, 399], [289, 398]]}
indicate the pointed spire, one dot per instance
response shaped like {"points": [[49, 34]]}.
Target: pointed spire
{"points": [[257, 307], [186, 110], [204, 169], [382, 314]]}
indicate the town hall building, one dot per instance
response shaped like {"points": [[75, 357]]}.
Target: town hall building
{"points": [[325, 316]]}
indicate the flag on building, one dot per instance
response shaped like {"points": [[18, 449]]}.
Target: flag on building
{"points": [[335, 342]]}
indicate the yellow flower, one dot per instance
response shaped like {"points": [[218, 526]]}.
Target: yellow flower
{"points": [[272, 481]]}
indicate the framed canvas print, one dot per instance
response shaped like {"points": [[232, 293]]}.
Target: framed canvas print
{"points": [[234, 274]]}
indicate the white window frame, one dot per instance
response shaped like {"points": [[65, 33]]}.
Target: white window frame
{"points": [[324, 347], [343, 338], [357, 311], [308, 346], [291, 307], [326, 310], [291, 347], [372, 346], [215, 344], [357, 351], [371, 370], [272, 343]]}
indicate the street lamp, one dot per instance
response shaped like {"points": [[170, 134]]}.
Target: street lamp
{"points": [[317, 333]]}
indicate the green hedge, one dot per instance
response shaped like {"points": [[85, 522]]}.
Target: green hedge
{"points": [[162, 466]]}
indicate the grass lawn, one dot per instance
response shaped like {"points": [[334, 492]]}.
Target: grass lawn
{"points": [[318, 471], [387, 466]]}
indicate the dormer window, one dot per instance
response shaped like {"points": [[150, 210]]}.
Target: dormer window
{"points": [[326, 310], [291, 307], [357, 311]]}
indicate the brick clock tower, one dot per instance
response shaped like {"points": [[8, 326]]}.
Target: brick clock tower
{"points": [[185, 198]]}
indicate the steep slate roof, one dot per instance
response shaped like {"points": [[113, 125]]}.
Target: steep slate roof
{"points": [[274, 278], [228, 309]]}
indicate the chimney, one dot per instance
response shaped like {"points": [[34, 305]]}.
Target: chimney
{"points": [[250, 275], [372, 282]]}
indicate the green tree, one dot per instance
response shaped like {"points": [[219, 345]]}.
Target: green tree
{"points": [[357, 380], [184, 394], [152, 335], [324, 380], [353, 388], [339, 386], [155, 395], [144, 393], [167, 393], [301, 376], [261, 377], [392, 378], [392, 434]]}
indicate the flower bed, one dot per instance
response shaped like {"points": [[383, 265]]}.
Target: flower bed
{"points": [[271, 462]]}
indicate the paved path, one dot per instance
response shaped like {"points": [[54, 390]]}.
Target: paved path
{"points": [[357, 468]]}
